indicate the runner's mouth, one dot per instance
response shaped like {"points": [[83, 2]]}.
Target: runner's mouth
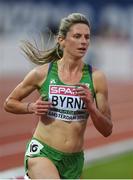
{"points": [[82, 49]]}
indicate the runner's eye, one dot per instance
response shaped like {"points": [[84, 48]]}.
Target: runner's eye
{"points": [[87, 36], [77, 36]]}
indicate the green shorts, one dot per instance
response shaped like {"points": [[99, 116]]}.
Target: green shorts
{"points": [[69, 165]]}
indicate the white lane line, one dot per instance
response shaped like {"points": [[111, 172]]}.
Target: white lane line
{"points": [[12, 173], [20, 146], [108, 150], [90, 156]]}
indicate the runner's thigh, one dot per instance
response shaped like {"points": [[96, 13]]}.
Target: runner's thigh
{"points": [[42, 168]]}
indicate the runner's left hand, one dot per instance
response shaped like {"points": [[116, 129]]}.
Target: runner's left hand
{"points": [[85, 94]]}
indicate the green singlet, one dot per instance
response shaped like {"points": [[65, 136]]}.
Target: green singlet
{"points": [[67, 106]]}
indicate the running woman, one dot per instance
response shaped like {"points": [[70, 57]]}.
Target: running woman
{"points": [[68, 91]]}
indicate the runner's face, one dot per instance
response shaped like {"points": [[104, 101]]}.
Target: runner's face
{"points": [[77, 40]]}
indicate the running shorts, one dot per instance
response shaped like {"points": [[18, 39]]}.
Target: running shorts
{"points": [[69, 165]]}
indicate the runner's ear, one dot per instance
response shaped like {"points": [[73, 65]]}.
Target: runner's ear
{"points": [[61, 41]]}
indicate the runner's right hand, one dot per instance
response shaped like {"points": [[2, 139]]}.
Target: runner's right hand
{"points": [[40, 107]]}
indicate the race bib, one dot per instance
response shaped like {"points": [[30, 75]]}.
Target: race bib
{"points": [[66, 104], [34, 148]]}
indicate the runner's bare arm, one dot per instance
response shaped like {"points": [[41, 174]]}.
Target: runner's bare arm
{"points": [[101, 117], [14, 102]]}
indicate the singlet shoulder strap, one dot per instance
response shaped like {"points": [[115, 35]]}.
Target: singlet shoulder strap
{"points": [[50, 66], [90, 72]]}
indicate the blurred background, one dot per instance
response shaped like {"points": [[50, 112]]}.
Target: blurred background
{"points": [[111, 50]]}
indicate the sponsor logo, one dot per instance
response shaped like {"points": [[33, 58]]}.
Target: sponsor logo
{"points": [[53, 81], [63, 90]]}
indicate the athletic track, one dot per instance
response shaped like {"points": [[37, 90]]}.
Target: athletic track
{"points": [[15, 130]]}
